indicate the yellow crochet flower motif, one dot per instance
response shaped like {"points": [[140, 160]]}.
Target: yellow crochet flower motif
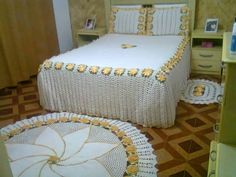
{"points": [[185, 10], [47, 64], [84, 120], [142, 10], [141, 27], [184, 18], [131, 149], [51, 121], [127, 141], [38, 123], [82, 68], [114, 128], [106, 71], [53, 160], [15, 132], [132, 169], [183, 27], [93, 69], [133, 158], [199, 90], [95, 122], [58, 65], [161, 77], [120, 134], [182, 33], [151, 11], [75, 119], [119, 71], [104, 124], [63, 119], [150, 19], [133, 72], [70, 66], [115, 9], [147, 72], [26, 127], [141, 19]]}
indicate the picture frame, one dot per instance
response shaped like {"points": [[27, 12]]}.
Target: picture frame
{"points": [[90, 23], [211, 25]]}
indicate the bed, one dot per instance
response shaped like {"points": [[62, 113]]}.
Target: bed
{"points": [[135, 77]]}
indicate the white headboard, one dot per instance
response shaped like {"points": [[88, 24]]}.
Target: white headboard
{"points": [[190, 3]]}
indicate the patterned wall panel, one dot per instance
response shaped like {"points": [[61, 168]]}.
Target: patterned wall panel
{"points": [[80, 10], [223, 9]]}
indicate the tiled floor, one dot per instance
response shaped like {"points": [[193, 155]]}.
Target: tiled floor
{"points": [[182, 150]]}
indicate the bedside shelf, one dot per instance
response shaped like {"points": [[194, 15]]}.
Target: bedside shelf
{"points": [[85, 36], [206, 60]]}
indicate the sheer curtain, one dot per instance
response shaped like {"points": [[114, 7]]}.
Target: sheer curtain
{"points": [[27, 37]]}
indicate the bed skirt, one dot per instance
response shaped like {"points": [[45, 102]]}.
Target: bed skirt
{"points": [[138, 99]]}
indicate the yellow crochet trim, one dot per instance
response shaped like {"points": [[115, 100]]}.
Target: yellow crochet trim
{"points": [[82, 68], [133, 72], [59, 65], [94, 69], [119, 71], [106, 71], [70, 67], [147, 72]]}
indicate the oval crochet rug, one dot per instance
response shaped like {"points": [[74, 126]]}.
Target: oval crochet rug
{"points": [[200, 91], [72, 145]]}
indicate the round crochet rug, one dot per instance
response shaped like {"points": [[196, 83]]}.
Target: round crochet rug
{"points": [[200, 91], [72, 145]]}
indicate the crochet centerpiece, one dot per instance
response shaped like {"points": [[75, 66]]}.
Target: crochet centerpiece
{"points": [[72, 145]]}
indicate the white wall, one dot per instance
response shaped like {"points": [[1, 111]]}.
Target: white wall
{"points": [[63, 25]]}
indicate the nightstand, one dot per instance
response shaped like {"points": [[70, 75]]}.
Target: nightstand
{"points": [[85, 36], [206, 60]]}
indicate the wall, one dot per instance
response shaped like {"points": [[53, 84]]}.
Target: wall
{"points": [[63, 25], [223, 9], [80, 10]]}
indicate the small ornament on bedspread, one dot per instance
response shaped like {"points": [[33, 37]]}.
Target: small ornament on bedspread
{"points": [[127, 46]]}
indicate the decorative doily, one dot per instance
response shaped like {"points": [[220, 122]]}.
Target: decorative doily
{"points": [[202, 91], [72, 145]]}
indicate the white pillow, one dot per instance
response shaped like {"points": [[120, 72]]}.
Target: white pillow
{"points": [[168, 20], [128, 20]]}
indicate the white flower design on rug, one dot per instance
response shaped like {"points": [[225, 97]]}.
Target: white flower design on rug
{"points": [[54, 155], [56, 145]]}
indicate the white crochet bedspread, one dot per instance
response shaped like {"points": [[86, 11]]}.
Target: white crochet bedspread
{"points": [[138, 99]]}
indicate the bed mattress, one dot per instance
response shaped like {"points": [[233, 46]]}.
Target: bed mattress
{"points": [[129, 77]]}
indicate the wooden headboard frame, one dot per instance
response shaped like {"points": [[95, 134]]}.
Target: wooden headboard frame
{"points": [[190, 3]]}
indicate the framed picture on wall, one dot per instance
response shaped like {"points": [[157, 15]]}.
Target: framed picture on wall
{"points": [[90, 23], [211, 25]]}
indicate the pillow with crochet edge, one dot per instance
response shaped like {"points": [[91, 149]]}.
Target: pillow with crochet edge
{"points": [[168, 19], [128, 19]]}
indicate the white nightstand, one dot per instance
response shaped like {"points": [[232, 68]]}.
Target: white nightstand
{"points": [[206, 60]]}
